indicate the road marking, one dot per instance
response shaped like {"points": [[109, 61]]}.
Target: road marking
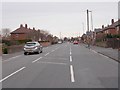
{"points": [[47, 54], [57, 48], [70, 58], [99, 53], [70, 50], [53, 63], [72, 74], [94, 51], [104, 56], [11, 58], [52, 50], [65, 45], [12, 74], [55, 58], [36, 60]]}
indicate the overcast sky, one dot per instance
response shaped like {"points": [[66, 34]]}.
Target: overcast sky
{"points": [[56, 17]]}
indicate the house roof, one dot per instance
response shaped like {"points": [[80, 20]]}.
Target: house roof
{"points": [[21, 30], [112, 26], [118, 24]]}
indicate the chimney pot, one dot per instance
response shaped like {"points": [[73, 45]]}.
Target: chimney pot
{"points": [[25, 25], [21, 25], [102, 26], [33, 28], [112, 21]]}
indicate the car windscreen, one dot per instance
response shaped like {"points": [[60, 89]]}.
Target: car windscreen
{"points": [[30, 44]]}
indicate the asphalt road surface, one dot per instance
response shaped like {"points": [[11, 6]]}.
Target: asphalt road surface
{"points": [[60, 66]]}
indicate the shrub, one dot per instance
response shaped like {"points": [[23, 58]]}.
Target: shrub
{"points": [[5, 51], [109, 36]]}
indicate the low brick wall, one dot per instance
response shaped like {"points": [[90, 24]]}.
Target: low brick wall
{"points": [[15, 48], [101, 44], [45, 44], [18, 48]]}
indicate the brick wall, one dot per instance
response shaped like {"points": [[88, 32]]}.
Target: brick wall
{"points": [[18, 36], [112, 31], [45, 44]]}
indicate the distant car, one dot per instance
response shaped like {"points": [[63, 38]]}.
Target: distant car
{"points": [[32, 47], [59, 42], [75, 42]]}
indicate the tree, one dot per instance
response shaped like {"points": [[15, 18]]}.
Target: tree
{"points": [[65, 39], [5, 32]]}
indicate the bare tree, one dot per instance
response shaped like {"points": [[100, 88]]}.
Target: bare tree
{"points": [[5, 32]]}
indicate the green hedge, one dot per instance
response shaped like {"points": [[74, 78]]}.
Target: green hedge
{"points": [[14, 42], [42, 41], [7, 42], [112, 36]]}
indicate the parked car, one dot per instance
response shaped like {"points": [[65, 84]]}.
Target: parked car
{"points": [[75, 42], [32, 47], [59, 42]]}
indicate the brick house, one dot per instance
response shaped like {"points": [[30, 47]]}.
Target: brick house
{"points": [[111, 29], [25, 33], [118, 27], [22, 33]]}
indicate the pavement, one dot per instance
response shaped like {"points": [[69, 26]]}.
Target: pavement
{"points": [[60, 66], [109, 52]]}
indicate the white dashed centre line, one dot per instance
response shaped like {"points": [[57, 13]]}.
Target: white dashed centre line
{"points": [[72, 74], [70, 58], [12, 74], [70, 52]]}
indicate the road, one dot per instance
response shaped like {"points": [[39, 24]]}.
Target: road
{"points": [[60, 66]]}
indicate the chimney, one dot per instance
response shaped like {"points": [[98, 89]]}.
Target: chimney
{"points": [[112, 21], [26, 26], [21, 25], [102, 26], [33, 28]]}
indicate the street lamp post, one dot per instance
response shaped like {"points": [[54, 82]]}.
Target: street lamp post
{"points": [[91, 21], [87, 20]]}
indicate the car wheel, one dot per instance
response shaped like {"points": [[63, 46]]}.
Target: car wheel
{"points": [[41, 51], [25, 53], [38, 52]]}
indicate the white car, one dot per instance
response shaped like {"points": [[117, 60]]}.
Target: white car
{"points": [[59, 42], [32, 47]]}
